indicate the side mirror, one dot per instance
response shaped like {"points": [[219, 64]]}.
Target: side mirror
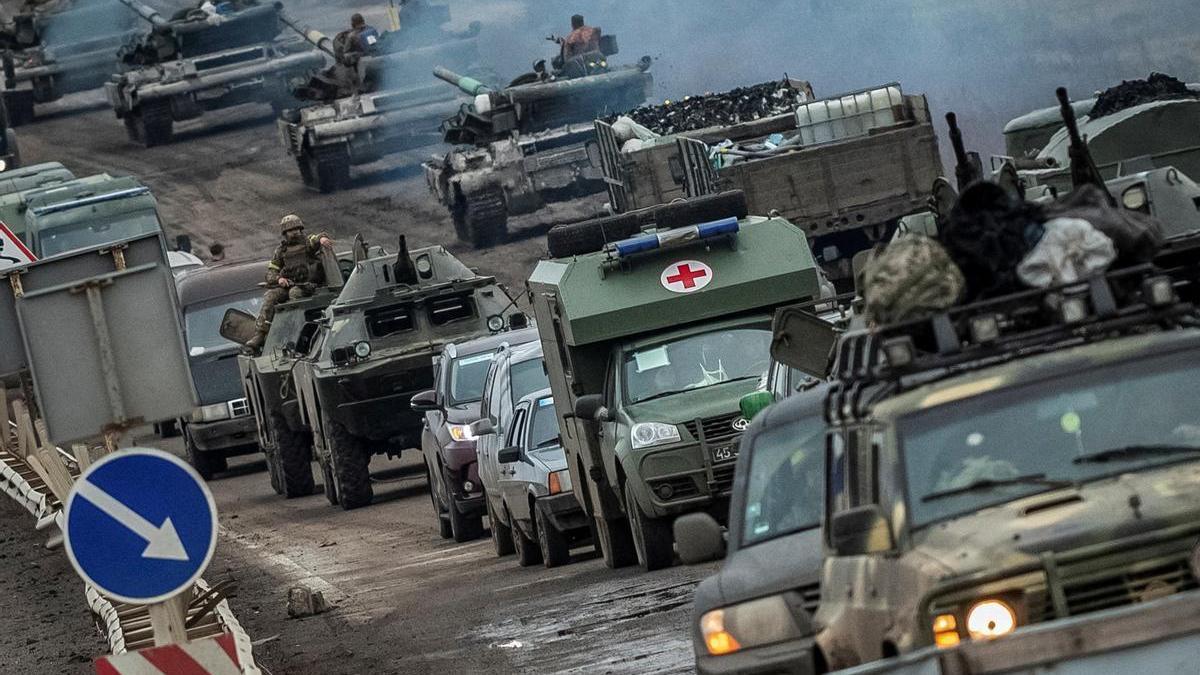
{"points": [[238, 327], [424, 402], [483, 427], [755, 402], [591, 408], [509, 455], [699, 539], [861, 531], [803, 341]]}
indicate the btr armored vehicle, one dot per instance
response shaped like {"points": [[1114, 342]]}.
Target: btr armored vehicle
{"points": [[997, 465], [367, 106], [651, 340], [373, 351], [526, 145], [198, 61]]}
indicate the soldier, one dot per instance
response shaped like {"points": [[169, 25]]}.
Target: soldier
{"points": [[362, 35], [582, 40], [294, 272]]}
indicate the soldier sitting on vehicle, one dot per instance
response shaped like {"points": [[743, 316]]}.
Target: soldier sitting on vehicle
{"points": [[295, 271], [583, 39]]}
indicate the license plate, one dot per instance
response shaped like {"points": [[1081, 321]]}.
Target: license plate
{"points": [[725, 453]]}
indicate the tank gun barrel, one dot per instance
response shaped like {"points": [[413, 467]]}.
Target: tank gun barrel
{"points": [[146, 12], [469, 85], [318, 39]]}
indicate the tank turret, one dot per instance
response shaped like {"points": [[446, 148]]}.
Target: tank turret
{"points": [[195, 32]]}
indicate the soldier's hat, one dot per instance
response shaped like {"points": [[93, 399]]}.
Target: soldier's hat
{"points": [[289, 223]]}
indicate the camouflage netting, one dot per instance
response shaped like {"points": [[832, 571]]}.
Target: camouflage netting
{"points": [[744, 104], [1157, 87]]}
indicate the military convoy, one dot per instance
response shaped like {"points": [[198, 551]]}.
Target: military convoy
{"points": [[527, 145], [367, 106], [197, 61]]}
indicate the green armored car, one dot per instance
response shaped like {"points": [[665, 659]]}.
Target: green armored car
{"points": [[650, 342]]}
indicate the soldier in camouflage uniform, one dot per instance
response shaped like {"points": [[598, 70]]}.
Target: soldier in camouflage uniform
{"points": [[294, 272]]}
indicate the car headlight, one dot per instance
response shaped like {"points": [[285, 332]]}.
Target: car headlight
{"points": [[495, 323], [461, 432], [989, 619], [362, 349], [750, 624], [211, 413], [1134, 198], [3, 165], [649, 434]]}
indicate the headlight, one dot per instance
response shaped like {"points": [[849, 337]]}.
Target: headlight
{"points": [[461, 432], [1134, 198], [362, 349], [495, 323], [211, 413], [649, 434], [989, 619], [751, 624], [3, 165]]}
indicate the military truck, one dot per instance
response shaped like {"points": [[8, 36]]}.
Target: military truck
{"points": [[366, 107], [845, 169], [198, 61], [527, 145], [88, 212], [373, 350], [54, 54], [995, 465], [651, 338]]}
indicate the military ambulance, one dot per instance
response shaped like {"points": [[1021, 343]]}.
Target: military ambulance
{"points": [[650, 342]]}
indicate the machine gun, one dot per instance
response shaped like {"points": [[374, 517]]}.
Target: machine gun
{"points": [[195, 32], [1083, 167], [968, 168]]}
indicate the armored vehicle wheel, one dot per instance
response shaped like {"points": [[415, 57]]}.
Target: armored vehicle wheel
{"points": [[486, 218], [350, 463], [590, 236], [615, 542], [273, 470], [464, 527], [652, 537], [293, 459], [131, 129], [458, 214], [329, 485], [702, 210], [528, 552], [207, 464], [501, 536], [19, 104], [556, 550], [45, 90], [325, 168], [443, 519], [155, 126]]}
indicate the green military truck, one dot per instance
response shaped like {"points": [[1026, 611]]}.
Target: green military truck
{"points": [[87, 212], [650, 342]]}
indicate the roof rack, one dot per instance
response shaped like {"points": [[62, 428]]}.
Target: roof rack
{"points": [[872, 364]]}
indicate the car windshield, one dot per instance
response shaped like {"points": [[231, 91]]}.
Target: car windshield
{"points": [[786, 486], [95, 231], [466, 377], [543, 432], [528, 377], [696, 362], [203, 321], [995, 447]]}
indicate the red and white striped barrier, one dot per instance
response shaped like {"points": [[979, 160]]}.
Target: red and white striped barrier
{"points": [[213, 656]]}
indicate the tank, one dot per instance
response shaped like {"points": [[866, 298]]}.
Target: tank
{"points": [[49, 54], [527, 145], [197, 61], [366, 107]]}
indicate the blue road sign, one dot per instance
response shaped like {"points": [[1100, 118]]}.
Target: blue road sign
{"points": [[140, 525]]}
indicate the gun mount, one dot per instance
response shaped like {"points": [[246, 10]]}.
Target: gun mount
{"points": [[1083, 167], [968, 168]]}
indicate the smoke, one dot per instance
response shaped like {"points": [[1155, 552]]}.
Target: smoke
{"points": [[86, 21]]}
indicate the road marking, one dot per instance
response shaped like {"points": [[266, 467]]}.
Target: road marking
{"points": [[162, 542]]}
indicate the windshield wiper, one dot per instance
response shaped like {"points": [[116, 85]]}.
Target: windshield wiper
{"points": [[1131, 452], [989, 483], [662, 394]]}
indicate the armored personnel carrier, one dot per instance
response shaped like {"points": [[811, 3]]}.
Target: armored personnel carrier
{"points": [[527, 145], [373, 350], [368, 106], [53, 53], [198, 61]]}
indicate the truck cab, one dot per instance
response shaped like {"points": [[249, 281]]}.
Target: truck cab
{"points": [[89, 212], [650, 342]]}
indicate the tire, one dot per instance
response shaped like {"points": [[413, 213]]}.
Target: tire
{"points": [[458, 215], [615, 542], [439, 513], [556, 550], [652, 537], [207, 464], [501, 534], [463, 527], [131, 128], [273, 470], [155, 126], [590, 236], [350, 463], [45, 90], [328, 483], [486, 218], [20, 107], [325, 168], [293, 459], [528, 553], [702, 210]]}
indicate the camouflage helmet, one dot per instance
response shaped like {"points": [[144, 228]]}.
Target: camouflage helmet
{"points": [[910, 279], [290, 222]]}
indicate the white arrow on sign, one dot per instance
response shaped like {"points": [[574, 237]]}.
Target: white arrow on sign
{"points": [[162, 542]]}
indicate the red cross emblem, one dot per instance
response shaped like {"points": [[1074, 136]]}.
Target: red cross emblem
{"points": [[686, 276]]}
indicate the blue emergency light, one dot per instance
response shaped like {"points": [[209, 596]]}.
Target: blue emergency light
{"points": [[675, 237]]}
